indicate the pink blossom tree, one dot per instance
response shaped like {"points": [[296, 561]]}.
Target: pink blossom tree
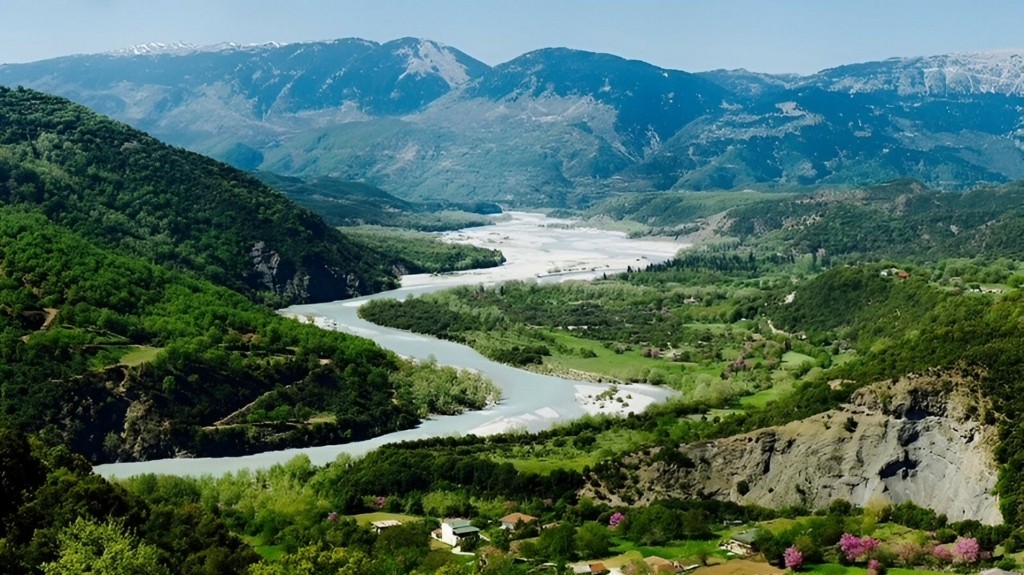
{"points": [[793, 558], [966, 550], [615, 519], [857, 548]]}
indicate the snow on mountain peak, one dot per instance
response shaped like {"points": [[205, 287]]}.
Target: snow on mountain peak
{"points": [[431, 58], [156, 48], [184, 48]]}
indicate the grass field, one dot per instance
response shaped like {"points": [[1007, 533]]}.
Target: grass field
{"points": [[686, 551], [268, 552], [622, 366], [834, 569], [793, 360], [364, 519], [140, 355], [545, 465]]}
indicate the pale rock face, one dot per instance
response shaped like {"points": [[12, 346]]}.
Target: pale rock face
{"points": [[917, 440], [430, 58], [996, 72]]}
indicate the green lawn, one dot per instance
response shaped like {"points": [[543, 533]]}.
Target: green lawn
{"points": [[834, 569], [761, 398], [844, 357], [792, 359], [364, 519], [686, 550], [545, 465], [140, 355], [268, 552], [608, 363]]}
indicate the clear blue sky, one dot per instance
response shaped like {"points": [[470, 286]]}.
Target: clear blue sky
{"points": [[763, 35]]}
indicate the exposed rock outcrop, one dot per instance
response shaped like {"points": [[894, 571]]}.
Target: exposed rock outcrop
{"points": [[920, 439]]}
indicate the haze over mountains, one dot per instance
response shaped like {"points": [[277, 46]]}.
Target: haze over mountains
{"points": [[556, 126]]}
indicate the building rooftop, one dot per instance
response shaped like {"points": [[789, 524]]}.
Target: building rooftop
{"points": [[518, 518]]}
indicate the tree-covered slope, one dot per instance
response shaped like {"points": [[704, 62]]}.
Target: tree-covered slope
{"points": [[125, 190], [899, 219], [58, 517], [345, 203], [124, 359]]}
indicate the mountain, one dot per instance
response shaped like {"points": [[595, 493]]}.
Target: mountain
{"points": [[345, 203], [948, 75], [115, 339], [555, 127], [125, 190]]}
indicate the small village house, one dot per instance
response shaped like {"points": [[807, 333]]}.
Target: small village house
{"points": [[516, 520], [741, 544], [454, 531]]}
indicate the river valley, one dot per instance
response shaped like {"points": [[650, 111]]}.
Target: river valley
{"points": [[536, 247]]}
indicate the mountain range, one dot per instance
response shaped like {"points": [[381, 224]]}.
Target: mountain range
{"points": [[554, 127]]}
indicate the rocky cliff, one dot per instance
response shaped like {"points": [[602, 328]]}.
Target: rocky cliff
{"points": [[920, 439]]}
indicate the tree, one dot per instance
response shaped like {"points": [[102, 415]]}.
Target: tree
{"points": [[90, 547], [558, 543], [793, 559], [966, 550], [593, 540], [314, 560]]}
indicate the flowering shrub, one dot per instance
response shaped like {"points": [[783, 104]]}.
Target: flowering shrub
{"points": [[793, 558], [966, 550], [856, 548], [615, 519], [942, 553], [332, 517], [909, 554], [875, 567]]}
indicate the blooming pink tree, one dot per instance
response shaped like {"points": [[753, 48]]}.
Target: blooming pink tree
{"points": [[966, 550], [615, 519], [857, 548], [793, 558]]}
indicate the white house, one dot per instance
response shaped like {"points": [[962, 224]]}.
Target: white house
{"points": [[454, 531]]}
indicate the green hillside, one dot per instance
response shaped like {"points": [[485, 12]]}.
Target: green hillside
{"points": [[344, 203], [125, 190], [124, 359]]}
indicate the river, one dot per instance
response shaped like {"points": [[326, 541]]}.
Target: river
{"points": [[535, 247]]}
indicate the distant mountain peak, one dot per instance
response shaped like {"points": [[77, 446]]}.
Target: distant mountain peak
{"points": [[962, 73], [426, 57]]}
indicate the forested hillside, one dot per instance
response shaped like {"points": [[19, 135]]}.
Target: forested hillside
{"points": [[125, 190], [124, 359], [58, 518], [345, 203], [899, 219]]}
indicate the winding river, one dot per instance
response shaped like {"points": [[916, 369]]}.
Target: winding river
{"points": [[535, 247]]}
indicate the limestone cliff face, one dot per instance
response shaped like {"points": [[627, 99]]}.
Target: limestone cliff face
{"points": [[920, 439]]}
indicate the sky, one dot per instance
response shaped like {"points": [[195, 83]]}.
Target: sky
{"points": [[775, 36]]}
